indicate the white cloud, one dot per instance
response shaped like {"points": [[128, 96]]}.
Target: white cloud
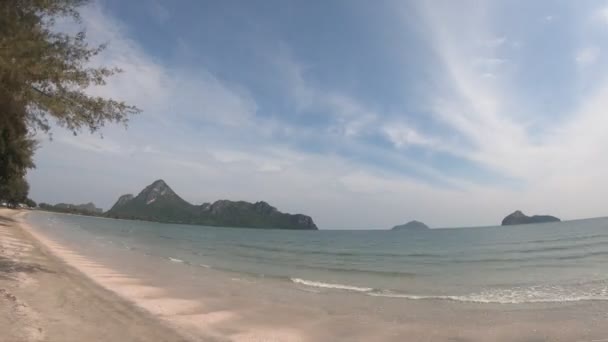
{"points": [[488, 62], [495, 42], [516, 44], [553, 161], [96, 144], [587, 56], [164, 92], [404, 136], [602, 14], [350, 116]]}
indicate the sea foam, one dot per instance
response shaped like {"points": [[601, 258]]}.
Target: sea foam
{"points": [[330, 285], [519, 295]]}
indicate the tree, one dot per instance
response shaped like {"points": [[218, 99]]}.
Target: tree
{"points": [[48, 71], [15, 191], [30, 203], [16, 144], [44, 74]]}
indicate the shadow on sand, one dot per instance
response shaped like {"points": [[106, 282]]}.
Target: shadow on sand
{"points": [[8, 266], [5, 221]]}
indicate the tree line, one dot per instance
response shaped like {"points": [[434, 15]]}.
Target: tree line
{"points": [[44, 77]]}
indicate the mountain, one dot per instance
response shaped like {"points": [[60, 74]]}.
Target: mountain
{"points": [[158, 202], [86, 209], [518, 217], [412, 225]]}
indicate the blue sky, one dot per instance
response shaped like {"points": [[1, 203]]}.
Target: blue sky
{"points": [[361, 114]]}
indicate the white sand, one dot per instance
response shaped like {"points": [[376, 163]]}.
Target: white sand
{"points": [[187, 315]]}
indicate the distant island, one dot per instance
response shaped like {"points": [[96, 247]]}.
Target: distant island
{"points": [[518, 217], [412, 225], [81, 209], [159, 203]]}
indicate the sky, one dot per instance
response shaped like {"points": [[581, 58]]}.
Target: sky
{"points": [[361, 114]]}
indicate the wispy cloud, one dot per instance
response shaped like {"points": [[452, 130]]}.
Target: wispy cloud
{"points": [[602, 14], [403, 136], [495, 42], [348, 115], [546, 158], [587, 56]]}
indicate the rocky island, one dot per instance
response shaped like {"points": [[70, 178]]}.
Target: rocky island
{"points": [[518, 217], [412, 225], [159, 203], [80, 209]]}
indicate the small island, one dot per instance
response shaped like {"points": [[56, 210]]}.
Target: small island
{"points": [[412, 225], [518, 217]]}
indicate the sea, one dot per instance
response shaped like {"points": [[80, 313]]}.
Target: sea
{"points": [[538, 263]]}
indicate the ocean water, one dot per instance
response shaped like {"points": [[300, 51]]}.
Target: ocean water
{"points": [[542, 263]]}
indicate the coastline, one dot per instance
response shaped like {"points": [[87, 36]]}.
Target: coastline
{"points": [[189, 303], [169, 318], [43, 299]]}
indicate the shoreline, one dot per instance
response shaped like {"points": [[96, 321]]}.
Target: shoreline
{"points": [[44, 299], [188, 303], [186, 319]]}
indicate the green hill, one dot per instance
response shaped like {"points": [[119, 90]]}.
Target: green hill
{"points": [[80, 209], [158, 202], [518, 217]]}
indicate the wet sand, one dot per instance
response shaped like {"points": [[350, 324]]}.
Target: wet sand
{"points": [[61, 294], [43, 299]]}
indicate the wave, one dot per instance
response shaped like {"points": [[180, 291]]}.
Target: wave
{"points": [[330, 285], [297, 264], [561, 248], [583, 256], [396, 274], [510, 256], [523, 298], [180, 261], [549, 240], [357, 253], [592, 291], [524, 259]]}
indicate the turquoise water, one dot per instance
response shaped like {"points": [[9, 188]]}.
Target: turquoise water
{"points": [[556, 262]]}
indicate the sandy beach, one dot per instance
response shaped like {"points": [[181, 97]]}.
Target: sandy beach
{"points": [[55, 294], [44, 299]]}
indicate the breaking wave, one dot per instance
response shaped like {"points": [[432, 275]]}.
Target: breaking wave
{"points": [[593, 291]]}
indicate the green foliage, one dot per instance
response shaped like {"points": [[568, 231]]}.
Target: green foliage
{"points": [[30, 203], [16, 145], [48, 71], [44, 75], [14, 191], [16, 150], [71, 209]]}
